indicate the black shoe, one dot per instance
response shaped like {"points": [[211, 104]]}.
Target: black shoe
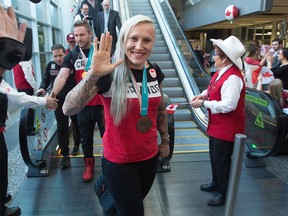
{"points": [[65, 162], [208, 187], [218, 200], [8, 198], [12, 211], [75, 150]]}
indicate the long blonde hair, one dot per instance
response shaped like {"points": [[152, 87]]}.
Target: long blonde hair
{"points": [[121, 76], [275, 89]]}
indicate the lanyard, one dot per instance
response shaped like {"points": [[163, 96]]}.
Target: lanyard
{"points": [[143, 99], [89, 58]]}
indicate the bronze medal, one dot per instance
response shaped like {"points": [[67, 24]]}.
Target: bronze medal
{"points": [[144, 124]]}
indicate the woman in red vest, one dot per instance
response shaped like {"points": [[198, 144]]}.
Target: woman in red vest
{"points": [[224, 100]]}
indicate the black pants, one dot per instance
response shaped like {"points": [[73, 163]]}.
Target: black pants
{"points": [[63, 129], [3, 173], [129, 184], [220, 157], [87, 118]]}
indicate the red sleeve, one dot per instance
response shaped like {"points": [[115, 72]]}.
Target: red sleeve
{"points": [[252, 61]]}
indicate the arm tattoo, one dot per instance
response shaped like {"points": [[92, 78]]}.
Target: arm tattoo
{"points": [[78, 97], [162, 121]]}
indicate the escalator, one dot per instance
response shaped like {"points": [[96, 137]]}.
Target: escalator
{"points": [[185, 77], [37, 149], [266, 125], [185, 126]]}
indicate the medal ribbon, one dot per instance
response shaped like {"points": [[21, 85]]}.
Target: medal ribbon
{"points": [[89, 58], [143, 99], [87, 62]]}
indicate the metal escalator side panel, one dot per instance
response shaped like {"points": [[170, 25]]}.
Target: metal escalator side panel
{"points": [[264, 127]]}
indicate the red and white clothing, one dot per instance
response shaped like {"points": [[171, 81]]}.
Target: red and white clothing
{"points": [[21, 98], [24, 76], [250, 65], [226, 94], [124, 143]]}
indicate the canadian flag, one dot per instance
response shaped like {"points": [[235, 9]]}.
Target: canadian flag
{"points": [[172, 108], [267, 75]]}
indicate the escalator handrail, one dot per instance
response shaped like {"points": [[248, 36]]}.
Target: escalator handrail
{"points": [[23, 139], [191, 49], [282, 124], [188, 83], [175, 52], [24, 143], [124, 9]]}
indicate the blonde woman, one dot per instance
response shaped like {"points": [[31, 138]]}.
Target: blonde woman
{"points": [[134, 110]]}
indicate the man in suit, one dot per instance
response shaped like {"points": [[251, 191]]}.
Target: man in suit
{"points": [[108, 20], [94, 8], [276, 46], [271, 57]]}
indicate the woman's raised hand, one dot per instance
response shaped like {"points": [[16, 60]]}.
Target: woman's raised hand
{"points": [[101, 62]]}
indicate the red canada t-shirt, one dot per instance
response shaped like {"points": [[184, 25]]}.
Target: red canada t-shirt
{"points": [[124, 143]]}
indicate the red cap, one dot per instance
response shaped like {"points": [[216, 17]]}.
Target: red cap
{"points": [[70, 37]]}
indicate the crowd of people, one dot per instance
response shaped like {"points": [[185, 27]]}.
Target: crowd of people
{"points": [[87, 84], [262, 64], [265, 68], [28, 89], [143, 113]]}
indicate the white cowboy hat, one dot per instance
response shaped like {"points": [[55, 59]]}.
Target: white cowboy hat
{"points": [[233, 48]]}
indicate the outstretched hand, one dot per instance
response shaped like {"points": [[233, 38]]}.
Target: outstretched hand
{"points": [[51, 101], [101, 63], [9, 27]]}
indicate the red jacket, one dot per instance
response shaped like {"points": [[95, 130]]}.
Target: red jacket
{"points": [[19, 78]]}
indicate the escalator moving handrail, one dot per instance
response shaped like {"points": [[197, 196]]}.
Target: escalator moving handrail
{"points": [[191, 50], [176, 51], [281, 121], [23, 139], [190, 87]]}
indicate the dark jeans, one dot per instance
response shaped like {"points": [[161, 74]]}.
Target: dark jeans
{"points": [[63, 129], [220, 152], [87, 118], [129, 184], [76, 130], [3, 172]]}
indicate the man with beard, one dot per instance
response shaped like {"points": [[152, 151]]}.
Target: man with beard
{"points": [[78, 62]]}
